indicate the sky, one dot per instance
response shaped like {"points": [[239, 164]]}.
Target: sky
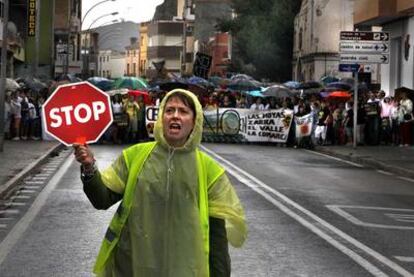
{"points": [[129, 10]]}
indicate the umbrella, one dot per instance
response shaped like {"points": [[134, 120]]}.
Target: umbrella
{"points": [[144, 94], [168, 86], [244, 85], [101, 82], [292, 84], [255, 93], [339, 86], [241, 77], [279, 91], [32, 83], [133, 83], [114, 92], [11, 85], [219, 81], [340, 95], [310, 85], [69, 77], [328, 79]]}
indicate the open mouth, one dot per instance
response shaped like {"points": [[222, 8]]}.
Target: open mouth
{"points": [[175, 126]]}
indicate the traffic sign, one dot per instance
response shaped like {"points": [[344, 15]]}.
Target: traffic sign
{"points": [[369, 36], [77, 113], [364, 47], [349, 67], [364, 58]]}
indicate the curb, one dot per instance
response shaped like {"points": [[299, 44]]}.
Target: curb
{"points": [[10, 184], [369, 162]]}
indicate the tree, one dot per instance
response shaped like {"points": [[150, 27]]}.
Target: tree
{"points": [[263, 37]]}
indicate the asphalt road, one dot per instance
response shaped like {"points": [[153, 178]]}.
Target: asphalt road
{"points": [[308, 215]]}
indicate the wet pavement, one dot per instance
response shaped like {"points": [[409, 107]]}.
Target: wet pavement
{"points": [[19, 157]]}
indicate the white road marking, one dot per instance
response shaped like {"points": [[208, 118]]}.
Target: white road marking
{"points": [[406, 179], [37, 178], [340, 210], [9, 211], [385, 172], [29, 191], [42, 175], [335, 158], [34, 182], [402, 217], [31, 187], [20, 197], [405, 259], [21, 226], [3, 226], [17, 204], [259, 187]]}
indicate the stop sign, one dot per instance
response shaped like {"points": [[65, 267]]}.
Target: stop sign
{"points": [[77, 113]]}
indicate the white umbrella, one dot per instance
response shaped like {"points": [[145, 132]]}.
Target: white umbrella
{"points": [[279, 91], [12, 85]]}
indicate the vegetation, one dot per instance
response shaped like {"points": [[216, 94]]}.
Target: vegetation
{"points": [[263, 37]]}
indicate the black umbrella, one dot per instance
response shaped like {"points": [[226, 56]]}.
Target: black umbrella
{"points": [[32, 83]]}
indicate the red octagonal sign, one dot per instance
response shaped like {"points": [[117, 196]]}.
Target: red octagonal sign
{"points": [[77, 113]]}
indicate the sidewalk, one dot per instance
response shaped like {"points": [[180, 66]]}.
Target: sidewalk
{"points": [[19, 157], [394, 159]]}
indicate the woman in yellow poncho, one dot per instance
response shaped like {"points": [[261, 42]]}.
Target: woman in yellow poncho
{"points": [[178, 207]]}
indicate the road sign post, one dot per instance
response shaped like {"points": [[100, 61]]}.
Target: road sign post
{"points": [[77, 113], [357, 49]]}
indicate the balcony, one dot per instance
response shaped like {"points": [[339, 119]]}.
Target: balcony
{"points": [[375, 12], [405, 7]]}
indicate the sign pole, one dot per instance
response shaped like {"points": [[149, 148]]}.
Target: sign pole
{"points": [[355, 109], [3, 72]]}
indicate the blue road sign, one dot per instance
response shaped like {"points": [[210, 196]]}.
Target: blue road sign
{"points": [[348, 67]]}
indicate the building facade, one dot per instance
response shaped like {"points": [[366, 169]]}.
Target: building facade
{"points": [[132, 58], [15, 39], [111, 64], [219, 48], [317, 29], [397, 18], [143, 49], [165, 45]]}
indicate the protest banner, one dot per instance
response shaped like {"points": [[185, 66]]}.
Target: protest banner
{"points": [[252, 125]]}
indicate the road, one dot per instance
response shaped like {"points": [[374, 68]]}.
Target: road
{"points": [[308, 215]]}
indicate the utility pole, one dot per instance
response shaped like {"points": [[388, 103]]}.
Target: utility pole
{"points": [[3, 72], [184, 56], [37, 38]]}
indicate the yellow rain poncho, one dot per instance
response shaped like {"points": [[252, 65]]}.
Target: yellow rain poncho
{"points": [[161, 226]]}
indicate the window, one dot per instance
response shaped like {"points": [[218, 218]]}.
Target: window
{"points": [[128, 69], [135, 69], [1, 9]]}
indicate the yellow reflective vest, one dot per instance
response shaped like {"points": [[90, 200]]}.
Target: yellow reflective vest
{"points": [[208, 172]]}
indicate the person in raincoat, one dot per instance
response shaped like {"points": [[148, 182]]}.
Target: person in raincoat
{"points": [[178, 209]]}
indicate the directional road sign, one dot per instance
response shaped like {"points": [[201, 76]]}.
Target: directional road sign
{"points": [[364, 58], [370, 36], [364, 47], [349, 67]]}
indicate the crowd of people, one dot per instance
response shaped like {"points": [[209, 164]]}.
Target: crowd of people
{"points": [[381, 119], [22, 116]]}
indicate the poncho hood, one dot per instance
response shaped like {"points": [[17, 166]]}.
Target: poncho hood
{"points": [[194, 139]]}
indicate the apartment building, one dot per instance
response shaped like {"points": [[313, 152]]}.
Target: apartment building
{"points": [[397, 18]]}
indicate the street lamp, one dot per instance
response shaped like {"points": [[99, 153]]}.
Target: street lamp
{"points": [[88, 38], [107, 23], [91, 8], [102, 16]]}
